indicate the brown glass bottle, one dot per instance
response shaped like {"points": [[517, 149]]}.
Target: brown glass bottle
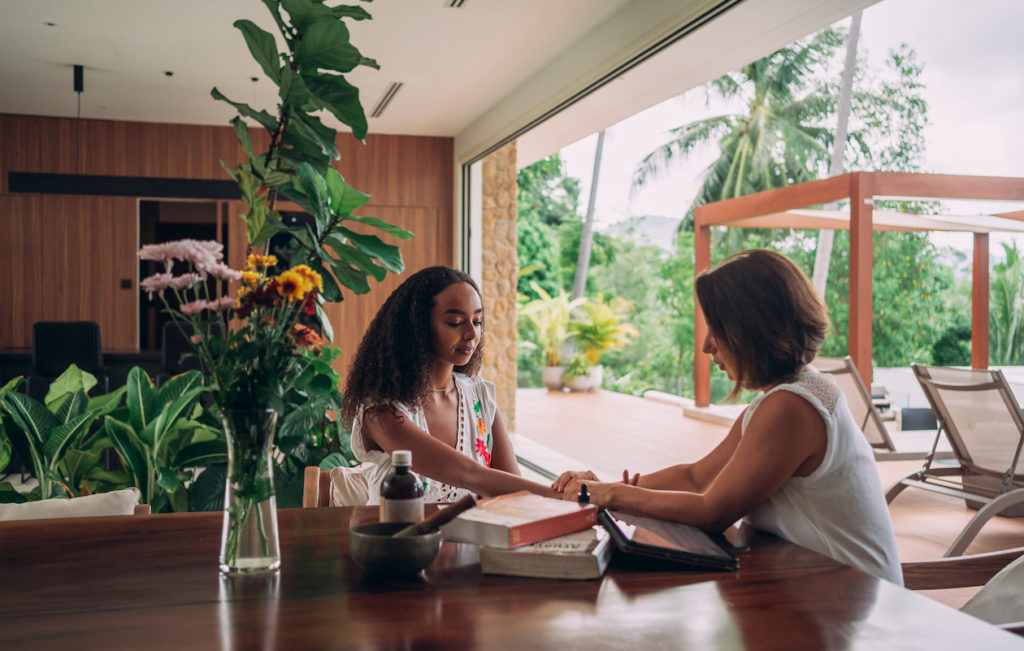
{"points": [[401, 492]]}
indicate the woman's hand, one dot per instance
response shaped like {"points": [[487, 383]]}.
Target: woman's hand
{"points": [[567, 476], [601, 493], [630, 481]]}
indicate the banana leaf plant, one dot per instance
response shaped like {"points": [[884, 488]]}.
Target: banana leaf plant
{"points": [[163, 436], [57, 438]]}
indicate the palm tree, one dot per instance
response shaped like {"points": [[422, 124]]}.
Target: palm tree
{"points": [[781, 139]]}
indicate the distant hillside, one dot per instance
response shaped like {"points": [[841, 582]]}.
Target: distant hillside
{"points": [[648, 229]]}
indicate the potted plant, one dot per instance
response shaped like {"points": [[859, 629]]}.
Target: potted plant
{"points": [[577, 374], [597, 327], [549, 316]]}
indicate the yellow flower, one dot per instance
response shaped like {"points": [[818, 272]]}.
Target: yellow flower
{"points": [[313, 277], [256, 261], [250, 278], [292, 285]]}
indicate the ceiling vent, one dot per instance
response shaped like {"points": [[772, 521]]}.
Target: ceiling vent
{"points": [[386, 98], [454, 4]]}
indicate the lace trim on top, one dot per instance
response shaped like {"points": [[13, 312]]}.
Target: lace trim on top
{"points": [[822, 387], [449, 493]]}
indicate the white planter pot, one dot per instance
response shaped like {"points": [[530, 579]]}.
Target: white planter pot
{"points": [[580, 383], [596, 377], [552, 377]]}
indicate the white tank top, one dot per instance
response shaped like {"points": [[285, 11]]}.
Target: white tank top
{"points": [[838, 510]]}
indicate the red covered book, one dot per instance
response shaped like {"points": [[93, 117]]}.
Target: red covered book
{"points": [[517, 519]]}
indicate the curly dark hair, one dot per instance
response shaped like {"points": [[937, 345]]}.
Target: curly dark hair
{"points": [[766, 313], [394, 359]]}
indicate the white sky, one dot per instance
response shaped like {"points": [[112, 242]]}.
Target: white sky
{"points": [[973, 58]]}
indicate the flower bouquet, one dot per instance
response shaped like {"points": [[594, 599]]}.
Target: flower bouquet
{"points": [[251, 347]]}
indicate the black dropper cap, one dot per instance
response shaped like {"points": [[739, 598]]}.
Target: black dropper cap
{"points": [[583, 497]]}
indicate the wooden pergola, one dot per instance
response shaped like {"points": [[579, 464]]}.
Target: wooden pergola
{"points": [[786, 208]]}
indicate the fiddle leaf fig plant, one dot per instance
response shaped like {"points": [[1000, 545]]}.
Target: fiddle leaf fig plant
{"points": [[309, 75]]}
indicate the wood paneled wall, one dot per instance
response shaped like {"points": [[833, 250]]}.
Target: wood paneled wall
{"points": [[66, 255]]}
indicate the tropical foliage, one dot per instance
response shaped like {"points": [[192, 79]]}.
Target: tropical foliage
{"points": [[1006, 310]]}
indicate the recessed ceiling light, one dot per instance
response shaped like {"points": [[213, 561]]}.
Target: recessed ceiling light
{"points": [[168, 73], [254, 78], [49, 24]]}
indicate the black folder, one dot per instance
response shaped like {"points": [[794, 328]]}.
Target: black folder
{"points": [[640, 537]]}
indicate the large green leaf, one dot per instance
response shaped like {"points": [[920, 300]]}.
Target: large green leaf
{"points": [[304, 12], [351, 11], [382, 225], [341, 98], [31, 417], [170, 415], [300, 149], [296, 424], [168, 480], [311, 127], [207, 492], [347, 275], [262, 47], [334, 460], [293, 91], [64, 434], [244, 137], [325, 322], [130, 448], [178, 385], [107, 402], [143, 402], [205, 453], [388, 254], [72, 407], [9, 495], [325, 44], [355, 256], [72, 380], [343, 197], [79, 463], [5, 449], [268, 121]]}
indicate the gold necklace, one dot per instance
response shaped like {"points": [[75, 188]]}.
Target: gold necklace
{"points": [[451, 381]]}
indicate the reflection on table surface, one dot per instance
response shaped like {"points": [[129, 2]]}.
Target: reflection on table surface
{"points": [[152, 582]]}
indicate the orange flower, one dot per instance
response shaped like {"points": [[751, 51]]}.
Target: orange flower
{"points": [[256, 261], [305, 336], [292, 285]]}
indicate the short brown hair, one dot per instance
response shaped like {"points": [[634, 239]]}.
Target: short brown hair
{"points": [[766, 314]]}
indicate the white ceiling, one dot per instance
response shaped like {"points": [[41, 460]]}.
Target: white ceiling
{"points": [[475, 73]]}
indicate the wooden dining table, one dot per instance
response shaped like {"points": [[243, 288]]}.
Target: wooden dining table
{"points": [[151, 582]]}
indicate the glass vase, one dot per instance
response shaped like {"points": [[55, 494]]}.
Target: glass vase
{"points": [[249, 543]]}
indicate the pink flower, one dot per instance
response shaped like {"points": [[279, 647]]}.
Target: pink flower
{"points": [[222, 271], [185, 280], [157, 283], [195, 339], [222, 303], [193, 308]]}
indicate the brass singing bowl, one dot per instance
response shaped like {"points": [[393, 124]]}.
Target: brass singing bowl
{"points": [[374, 550]]}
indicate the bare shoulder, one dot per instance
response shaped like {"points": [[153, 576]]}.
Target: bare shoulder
{"points": [[790, 408]]}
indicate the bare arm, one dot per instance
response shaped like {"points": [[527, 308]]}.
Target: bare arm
{"points": [[440, 462], [694, 477], [503, 455], [785, 435]]}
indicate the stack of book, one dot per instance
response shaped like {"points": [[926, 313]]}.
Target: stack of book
{"points": [[523, 534]]}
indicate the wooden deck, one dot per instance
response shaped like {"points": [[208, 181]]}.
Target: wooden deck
{"points": [[607, 432]]}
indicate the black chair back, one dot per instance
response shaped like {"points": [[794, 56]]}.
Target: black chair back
{"points": [[58, 344]]}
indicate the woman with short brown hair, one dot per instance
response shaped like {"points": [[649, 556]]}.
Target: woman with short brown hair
{"points": [[795, 463]]}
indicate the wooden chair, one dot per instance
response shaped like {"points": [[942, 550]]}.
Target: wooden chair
{"points": [[982, 421], [962, 572], [858, 398], [316, 487]]}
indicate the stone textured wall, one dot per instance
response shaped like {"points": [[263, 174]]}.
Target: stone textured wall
{"points": [[500, 265]]}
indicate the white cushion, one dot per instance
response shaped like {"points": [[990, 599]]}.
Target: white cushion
{"points": [[120, 502], [1001, 600], [350, 486]]}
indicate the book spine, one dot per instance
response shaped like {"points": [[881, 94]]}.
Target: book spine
{"points": [[532, 532]]}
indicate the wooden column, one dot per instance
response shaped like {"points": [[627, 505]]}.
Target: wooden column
{"points": [[701, 362], [861, 255], [979, 303]]}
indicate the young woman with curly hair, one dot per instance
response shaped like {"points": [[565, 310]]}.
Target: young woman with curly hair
{"points": [[795, 463], [414, 385]]}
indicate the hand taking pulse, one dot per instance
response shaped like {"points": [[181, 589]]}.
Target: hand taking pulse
{"points": [[569, 484]]}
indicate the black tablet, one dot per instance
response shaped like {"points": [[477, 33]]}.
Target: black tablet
{"points": [[639, 536]]}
